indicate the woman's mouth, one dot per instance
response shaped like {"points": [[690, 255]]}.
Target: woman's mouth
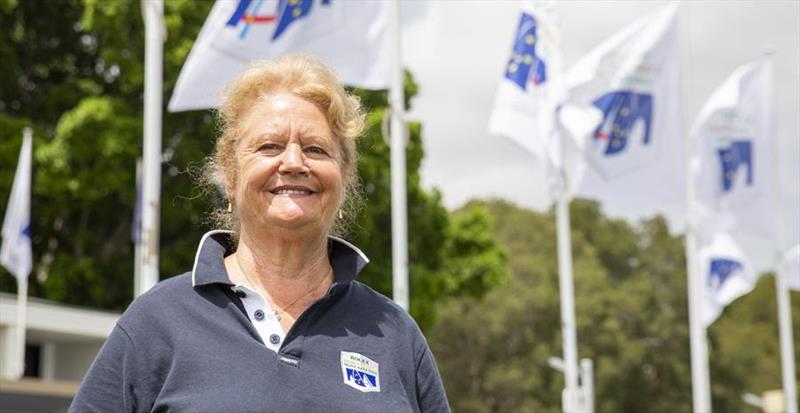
{"points": [[291, 190]]}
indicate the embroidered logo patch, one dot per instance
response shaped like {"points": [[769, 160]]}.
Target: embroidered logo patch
{"points": [[360, 372]]}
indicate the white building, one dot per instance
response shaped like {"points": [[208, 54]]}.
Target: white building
{"points": [[60, 343]]}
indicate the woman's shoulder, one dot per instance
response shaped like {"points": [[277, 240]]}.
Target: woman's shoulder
{"points": [[167, 288], [158, 302], [366, 293], [370, 301]]}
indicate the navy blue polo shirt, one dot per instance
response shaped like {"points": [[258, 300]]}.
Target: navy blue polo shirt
{"points": [[189, 345]]}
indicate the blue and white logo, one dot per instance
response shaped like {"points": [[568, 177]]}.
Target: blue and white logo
{"points": [[623, 142], [360, 372], [736, 164], [719, 272], [623, 113], [249, 12], [524, 66], [253, 24]]}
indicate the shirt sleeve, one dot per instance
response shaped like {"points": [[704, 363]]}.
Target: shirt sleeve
{"points": [[110, 382], [430, 391]]}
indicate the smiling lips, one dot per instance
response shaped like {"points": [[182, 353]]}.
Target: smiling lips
{"points": [[291, 190]]}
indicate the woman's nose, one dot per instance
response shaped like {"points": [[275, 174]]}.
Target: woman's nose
{"points": [[293, 160]]}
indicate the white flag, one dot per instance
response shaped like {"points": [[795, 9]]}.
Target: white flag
{"points": [[732, 155], [351, 36], [16, 252], [634, 156], [789, 268], [532, 86], [727, 273]]}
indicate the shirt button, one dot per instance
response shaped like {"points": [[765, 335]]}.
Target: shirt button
{"points": [[274, 339], [259, 315]]}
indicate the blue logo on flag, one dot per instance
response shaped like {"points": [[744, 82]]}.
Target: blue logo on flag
{"points": [[735, 154], [288, 11], [720, 270], [621, 111], [523, 65], [361, 379]]}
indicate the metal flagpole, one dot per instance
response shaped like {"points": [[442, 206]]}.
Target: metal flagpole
{"points": [[782, 292], [787, 350], [587, 385], [151, 183], [18, 369], [569, 399], [22, 310], [22, 282], [137, 238], [701, 397], [698, 344], [567, 298], [398, 167]]}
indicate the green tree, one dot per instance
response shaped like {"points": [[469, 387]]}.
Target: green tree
{"points": [[632, 321], [74, 70], [744, 345], [75, 74]]}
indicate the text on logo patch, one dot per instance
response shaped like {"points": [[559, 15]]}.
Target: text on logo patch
{"points": [[360, 372]]}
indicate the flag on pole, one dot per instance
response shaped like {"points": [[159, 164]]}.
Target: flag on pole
{"points": [[349, 35], [727, 274], [732, 155], [789, 268], [532, 86], [634, 155], [16, 253]]}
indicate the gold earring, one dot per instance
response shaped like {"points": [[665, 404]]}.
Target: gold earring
{"points": [[230, 207], [341, 215]]}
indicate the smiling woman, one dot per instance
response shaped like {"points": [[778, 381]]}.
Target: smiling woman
{"points": [[289, 174], [300, 81], [271, 317]]}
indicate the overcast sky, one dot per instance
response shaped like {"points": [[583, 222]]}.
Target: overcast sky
{"points": [[457, 88]]}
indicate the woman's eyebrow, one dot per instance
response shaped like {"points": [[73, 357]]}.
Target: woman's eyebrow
{"points": [[318, 138], [269, 135]]}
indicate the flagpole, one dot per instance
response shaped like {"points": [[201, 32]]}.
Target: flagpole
{"points": [[698, 344], [565, 288], [398, 166], [22, 311], [22, 284], [787, 349], [153, 11], [137, 231], [781, 290], [16, 252], [698, 341], [569, 399]]}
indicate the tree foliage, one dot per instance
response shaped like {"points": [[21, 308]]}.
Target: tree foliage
{"points": [[632, 321], [74, 70]]}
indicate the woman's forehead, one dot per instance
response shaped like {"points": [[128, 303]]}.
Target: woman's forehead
{"points": [[281, 103], [284, 116]]}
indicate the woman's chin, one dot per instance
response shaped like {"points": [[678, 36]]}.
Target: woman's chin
{"points": [[292, 220]]}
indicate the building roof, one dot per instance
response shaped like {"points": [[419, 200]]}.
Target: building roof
{"points": [[58, 320]]}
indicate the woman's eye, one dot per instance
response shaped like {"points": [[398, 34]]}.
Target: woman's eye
{"points": [[316, 150], [269, 147]]}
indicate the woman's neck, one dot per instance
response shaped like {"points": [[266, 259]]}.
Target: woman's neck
{"points": [[281, 265]]}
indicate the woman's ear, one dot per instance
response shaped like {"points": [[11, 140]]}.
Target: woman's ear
{"points": [[229, 186]]}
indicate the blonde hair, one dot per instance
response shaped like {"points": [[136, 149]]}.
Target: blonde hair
{"points": [[304, 77]]}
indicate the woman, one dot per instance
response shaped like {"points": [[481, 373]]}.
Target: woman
{"points": [[271, 318]]}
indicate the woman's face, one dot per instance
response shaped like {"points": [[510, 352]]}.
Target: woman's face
{"points": [[289, 174]]}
